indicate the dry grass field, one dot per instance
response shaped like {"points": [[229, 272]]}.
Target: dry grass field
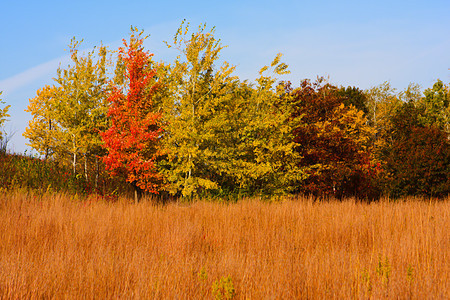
{"points": [[59, 247]]}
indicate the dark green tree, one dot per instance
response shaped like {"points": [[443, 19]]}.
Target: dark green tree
{"points": [[436, 106], [354, 96]]}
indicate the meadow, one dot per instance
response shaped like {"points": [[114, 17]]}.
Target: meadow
{"points": [[55, 245]]}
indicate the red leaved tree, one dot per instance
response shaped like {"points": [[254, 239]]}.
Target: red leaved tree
{"points": [[332, 140], [132, 139]]}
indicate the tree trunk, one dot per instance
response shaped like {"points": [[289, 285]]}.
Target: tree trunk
{"points": [[136, 196], [85, 167], [96, 172], [137, 192], [74, 163], [47, 149], [190, 167]]}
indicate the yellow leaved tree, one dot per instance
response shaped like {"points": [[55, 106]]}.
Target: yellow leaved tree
{"points": [[197, 91], [43, 130], [68, 117], [3, 117]]}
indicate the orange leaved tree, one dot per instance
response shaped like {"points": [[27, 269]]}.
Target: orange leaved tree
{"points": [[132, 138]]}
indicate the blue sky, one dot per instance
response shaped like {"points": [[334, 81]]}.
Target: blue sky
{"points": [[357, 43]]}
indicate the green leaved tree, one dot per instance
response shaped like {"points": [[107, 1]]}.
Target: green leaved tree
{"points": [[436, 105]]}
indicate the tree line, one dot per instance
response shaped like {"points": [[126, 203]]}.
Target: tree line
{"points": [[191, 127]]}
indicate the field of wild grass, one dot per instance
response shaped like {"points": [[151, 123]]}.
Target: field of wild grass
{"points": [[57, 246]]}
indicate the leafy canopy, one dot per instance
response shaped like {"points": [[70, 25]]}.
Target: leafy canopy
{"points": [[133, 137]]}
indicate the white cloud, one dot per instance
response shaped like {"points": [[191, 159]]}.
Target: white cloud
{"points": [[25, 78], [11, 84]]}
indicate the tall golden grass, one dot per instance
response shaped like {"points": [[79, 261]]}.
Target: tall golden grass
{"points": [[55, 246]]}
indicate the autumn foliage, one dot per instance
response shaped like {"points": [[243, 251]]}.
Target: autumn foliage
{"points": [[192, 128], [332, 140], [132, 138], [417, 160], [3, 114]]}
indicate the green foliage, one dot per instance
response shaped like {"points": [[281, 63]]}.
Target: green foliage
{"points": [[384, 269], [223, 288], [410, 274], [202, 275], [366, 279], [28, 172], [354, 96], [436, 106], [33, 173]]}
